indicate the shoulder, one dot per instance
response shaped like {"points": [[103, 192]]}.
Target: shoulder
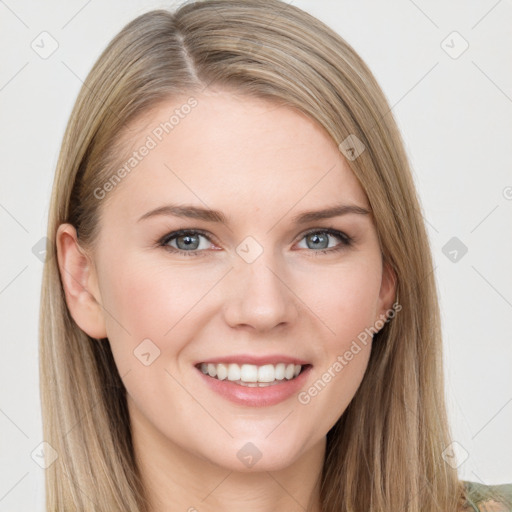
{"points": [[488, 498]]}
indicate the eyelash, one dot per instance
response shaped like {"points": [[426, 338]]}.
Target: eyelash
{"points": [[346, 241]]}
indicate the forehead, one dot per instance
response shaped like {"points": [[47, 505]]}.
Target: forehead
{"points": [[223, 149]]}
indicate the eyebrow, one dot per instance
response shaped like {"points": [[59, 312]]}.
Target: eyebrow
{"points": [[208, 215]]}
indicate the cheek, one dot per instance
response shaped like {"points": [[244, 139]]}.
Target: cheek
{"points": [[147, 300], [152, 317], [151, 302], [170, 305], [345, 300]]}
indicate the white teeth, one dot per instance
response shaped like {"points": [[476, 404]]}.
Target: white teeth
{"points": [[266, 373], [250, 374], [279, 371], [212, 370], [222, 371], [233, 372]]}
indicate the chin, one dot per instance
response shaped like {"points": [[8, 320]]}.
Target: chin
{"points": [[257, 455]]}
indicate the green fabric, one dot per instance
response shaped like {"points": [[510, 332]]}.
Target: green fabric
{"points": [[478, 494]]}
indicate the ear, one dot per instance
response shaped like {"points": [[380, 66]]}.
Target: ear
{"points": [[387, 290], [80, 283]]}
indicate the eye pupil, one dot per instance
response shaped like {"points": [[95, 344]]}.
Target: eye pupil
{"points": [[316, 237], [188, 240]]}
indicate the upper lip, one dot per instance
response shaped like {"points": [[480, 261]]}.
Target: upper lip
{"points": [[258, 360]]}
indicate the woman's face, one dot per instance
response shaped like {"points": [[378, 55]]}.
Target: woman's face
{"points": [[261, 287]]}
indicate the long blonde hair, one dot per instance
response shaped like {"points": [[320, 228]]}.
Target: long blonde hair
{"points": [[385, 452]]}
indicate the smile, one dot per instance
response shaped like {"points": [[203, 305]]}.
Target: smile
{"points": [[252, 375]]}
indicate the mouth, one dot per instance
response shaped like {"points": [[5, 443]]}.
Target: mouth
{"points": [[251, 375]]}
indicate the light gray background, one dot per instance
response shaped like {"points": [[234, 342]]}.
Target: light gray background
{"points": [[455, 117]]}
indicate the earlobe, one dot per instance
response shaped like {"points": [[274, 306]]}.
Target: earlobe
{"points": [[80, 283]]}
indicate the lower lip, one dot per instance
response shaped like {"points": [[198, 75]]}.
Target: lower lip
{"points": [[256, 396]]}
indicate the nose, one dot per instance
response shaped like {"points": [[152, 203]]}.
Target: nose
{"points": [[258, 296]]}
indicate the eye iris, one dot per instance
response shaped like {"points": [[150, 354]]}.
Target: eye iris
{"points": [[189, 242], [317, 237]]}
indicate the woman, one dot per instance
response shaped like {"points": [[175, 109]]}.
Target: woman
{"points": [[241, 311]]}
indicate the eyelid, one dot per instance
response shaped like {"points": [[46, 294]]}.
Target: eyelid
{"points": [[171, 235], [331, 231], [345, 240]]}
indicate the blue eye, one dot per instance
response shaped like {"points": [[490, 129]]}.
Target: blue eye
{"points": [[188, 241], [319, 237]]}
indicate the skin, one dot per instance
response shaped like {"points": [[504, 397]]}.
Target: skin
{"points": [[260, 164]]}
